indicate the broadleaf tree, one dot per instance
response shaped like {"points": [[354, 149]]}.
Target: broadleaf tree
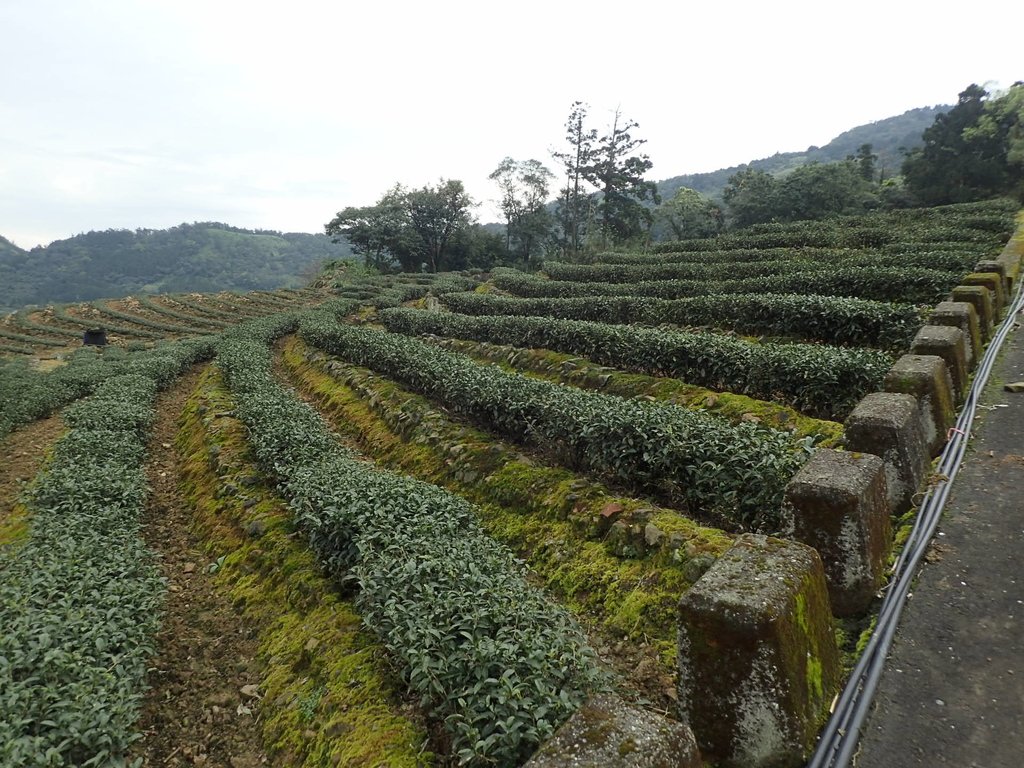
{"points": [[381, 233], [438, 214], [688, 215], [430, 226], [524, 192], [972, 152]]}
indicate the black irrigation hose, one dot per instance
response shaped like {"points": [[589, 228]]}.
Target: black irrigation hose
{"points": [[841, 734]]}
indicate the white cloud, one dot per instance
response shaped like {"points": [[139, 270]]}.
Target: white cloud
{"points": [[115, 113]]}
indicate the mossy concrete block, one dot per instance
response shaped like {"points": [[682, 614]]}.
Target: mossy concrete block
{"points": [[888, 425], [960, 314], [837, 503], [1011, 257], [758, 662], [607, 732], [994, 282], [999, 267], [951, 345], [927, 379], [980, 298]]}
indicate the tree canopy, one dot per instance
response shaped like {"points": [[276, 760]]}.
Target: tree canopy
{"points": [[974, 151], [688, 215], [432, 227], [524, 193], [811, 191], [605, 190]]}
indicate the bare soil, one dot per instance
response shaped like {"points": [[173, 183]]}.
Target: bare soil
{"points": [[22, 452], [203, 706]]}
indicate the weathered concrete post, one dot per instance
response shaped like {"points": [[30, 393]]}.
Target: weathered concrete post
{"points": [[888, 425], [997, 266], [981, 299], [607, 732], [994, 282], [758, 662], [927, 379], [962, 315], [1010, 258], [837, 503], [950, 344]]}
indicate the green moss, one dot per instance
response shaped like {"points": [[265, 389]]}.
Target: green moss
{"points": [[815, 686], [328, 696], [822, 669], [903, 526], [14, 527], [865, 637], [627, 747]]}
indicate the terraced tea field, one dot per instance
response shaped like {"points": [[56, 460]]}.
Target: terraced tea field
{"points": [[580, 517]]}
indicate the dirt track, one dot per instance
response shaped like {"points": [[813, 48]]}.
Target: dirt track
{"points": [[196, 712]]}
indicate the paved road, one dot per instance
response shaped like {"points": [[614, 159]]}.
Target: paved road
{"points": [[953, 688]]}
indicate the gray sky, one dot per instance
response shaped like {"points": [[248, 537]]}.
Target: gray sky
{"points": [[148, 113]]}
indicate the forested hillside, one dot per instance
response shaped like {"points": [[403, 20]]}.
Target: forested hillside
{"points": [[203, 256], [888, 139]]}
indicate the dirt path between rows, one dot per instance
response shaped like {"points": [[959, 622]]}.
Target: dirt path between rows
{"points": [[22, 453], [200, 709]]}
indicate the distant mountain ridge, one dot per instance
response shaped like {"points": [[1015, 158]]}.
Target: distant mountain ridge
{"points": [[889, 139], [210, 256], [205, 256]]}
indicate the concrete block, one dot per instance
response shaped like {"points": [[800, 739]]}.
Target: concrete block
{"points": [[994, 282], [951, 345], [962, 315], [609, 733], [1011, 257], [758, 663], [927, 379], [837, 503], [997, 266], [888, 425], [981, 299]]}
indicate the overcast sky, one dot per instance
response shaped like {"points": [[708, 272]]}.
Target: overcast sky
{"points": [[150, 113]]}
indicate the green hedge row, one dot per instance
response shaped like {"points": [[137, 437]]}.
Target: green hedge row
{"points": [[723, 471], [26, 394], [22, 320], [946, 256], [838, 320], [777, 261], [490, 657], [80, 597], [911, 285], [62, 314], [985, 222], [192, 319], [821, 381], [393, 290], [24, 338], [101, 306], [15, 349], [208, 311]]}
